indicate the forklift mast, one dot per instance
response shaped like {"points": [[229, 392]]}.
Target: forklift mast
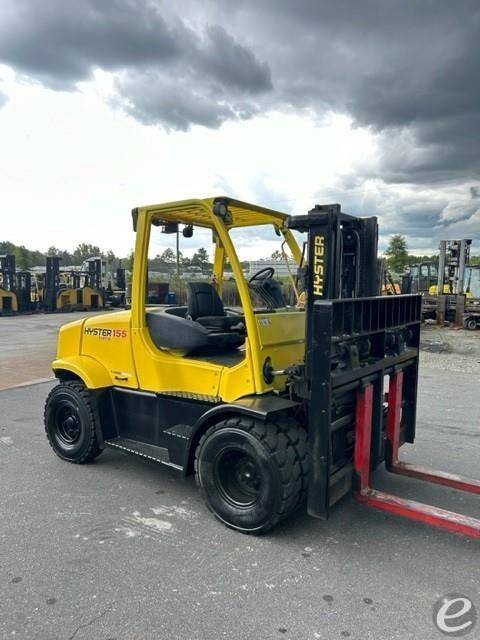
{"points": [[343, 259], [120, 278], [24, 291], [354, 340], [52, 283], [8, 272], [359, 383], [95, 273], [453, 258]]}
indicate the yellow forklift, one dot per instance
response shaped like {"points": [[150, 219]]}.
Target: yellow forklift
{"points": [[267, 405], [77, 294], [70, 290]]}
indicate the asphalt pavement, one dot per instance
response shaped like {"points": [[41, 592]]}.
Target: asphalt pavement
{"points": [[28, 345], [123, 549]]}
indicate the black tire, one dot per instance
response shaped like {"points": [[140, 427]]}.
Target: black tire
{"points": [[470, 324], [70, 423], [252, 474]]}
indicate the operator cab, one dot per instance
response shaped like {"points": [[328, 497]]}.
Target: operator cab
{"points": [[203, 325]]}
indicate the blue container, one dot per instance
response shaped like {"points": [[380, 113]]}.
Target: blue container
{"points": [[171, 297]]}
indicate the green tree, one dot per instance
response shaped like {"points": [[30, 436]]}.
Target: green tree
{"points": [[111, 257], [128, 261], [277, 255], [84, 251], [67, 258], [6, 248], [200, 258], [168, 257], [53, 251], [397, 253], [185, 261], [23, 257]]}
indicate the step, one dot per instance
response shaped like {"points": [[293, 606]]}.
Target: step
{"points": [[143, 449]]}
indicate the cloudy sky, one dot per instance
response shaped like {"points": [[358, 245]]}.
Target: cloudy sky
{"points": [[110, 104]]}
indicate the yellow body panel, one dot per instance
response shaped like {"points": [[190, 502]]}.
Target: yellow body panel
{"points": [[108, 339], [282, 339], [116, 348], [93, 374], [433, 291], [8, 295], [161, 370], [66, 298], [91, 298], [236, 381]]}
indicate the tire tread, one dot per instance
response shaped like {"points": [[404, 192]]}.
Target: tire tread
{"points": [[93, 449], [286, 442]]}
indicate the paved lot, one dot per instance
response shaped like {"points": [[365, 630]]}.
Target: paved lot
{"points": [[28, 345], [122, 549]]}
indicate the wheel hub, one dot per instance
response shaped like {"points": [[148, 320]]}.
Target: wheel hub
{"points": [[238, 477], [247, 476], [68, 425]]}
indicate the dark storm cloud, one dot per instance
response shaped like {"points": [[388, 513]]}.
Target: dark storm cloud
{"points": [[213, 80], [168, 72], [176, 104], [390, 65], [61, 42], [406, 70]]}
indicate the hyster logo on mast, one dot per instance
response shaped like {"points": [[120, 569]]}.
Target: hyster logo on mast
{"points": [[319, 265]]}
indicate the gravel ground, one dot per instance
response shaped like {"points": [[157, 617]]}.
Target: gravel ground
{"points": [[452, 349]]}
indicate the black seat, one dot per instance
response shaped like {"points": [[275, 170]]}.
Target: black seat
{"points": [[205, 306], [172, 332]]}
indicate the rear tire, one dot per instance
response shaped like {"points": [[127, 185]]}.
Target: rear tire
{"points": [[470, 324], [70, 423], [252, 474]]}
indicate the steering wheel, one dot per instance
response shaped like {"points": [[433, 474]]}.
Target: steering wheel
{"points": [[266, 273]]}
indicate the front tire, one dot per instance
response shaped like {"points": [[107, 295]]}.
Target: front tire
{"points": [[70, 423], [252, 474]]}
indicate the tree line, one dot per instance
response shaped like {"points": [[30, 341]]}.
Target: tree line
{"points": [[167, 261], [27, 259], [396, 257]]}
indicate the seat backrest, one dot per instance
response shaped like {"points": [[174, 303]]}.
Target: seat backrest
{"points": [[203, 300]]}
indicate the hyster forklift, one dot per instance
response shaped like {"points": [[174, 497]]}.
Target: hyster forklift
{"points": [[268, 406]]}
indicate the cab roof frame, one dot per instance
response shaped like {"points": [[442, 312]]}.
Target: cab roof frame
{"points": [[200, 213]]}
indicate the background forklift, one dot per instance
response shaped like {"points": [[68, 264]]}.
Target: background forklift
{"points": [[8, 285], [16, 287], [267, 405], [453, 298], [419, 277], [70, 290]]}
